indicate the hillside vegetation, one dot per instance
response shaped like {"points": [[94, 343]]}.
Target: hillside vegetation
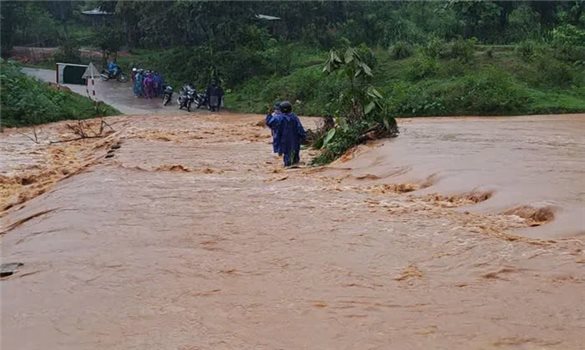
{"points": [[27, 101], [478, 81]]}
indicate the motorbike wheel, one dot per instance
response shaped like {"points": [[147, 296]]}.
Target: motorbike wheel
{"points": [[166, 100], [189, 106], [122, 78]]}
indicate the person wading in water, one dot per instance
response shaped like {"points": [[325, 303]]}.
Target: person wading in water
{"points": [[288, 134], [273, 120]]}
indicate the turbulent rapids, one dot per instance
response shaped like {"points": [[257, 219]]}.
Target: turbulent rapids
{"points": [[184, 232]]}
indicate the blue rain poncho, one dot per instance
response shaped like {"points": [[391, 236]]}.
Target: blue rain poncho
{"points": [[273, 121], [138, 91], [289, 135]]}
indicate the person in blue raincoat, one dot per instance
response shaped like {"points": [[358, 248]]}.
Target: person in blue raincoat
{"points": [[290, 134], [138, 92], [161, 84], [273, 120], [113, 68]]}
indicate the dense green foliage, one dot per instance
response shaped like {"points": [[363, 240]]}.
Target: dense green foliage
{"points": [[27, 101], [483, 81], [431, 58]]}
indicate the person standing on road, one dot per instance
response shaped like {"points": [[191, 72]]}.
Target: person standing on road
{"points": [[138, 81], [161, 81], [215, 95], [290, 134], [148, 85], [157, 84]]}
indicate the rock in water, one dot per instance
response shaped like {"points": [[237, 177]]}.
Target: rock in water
{"points": [[9, 269]]}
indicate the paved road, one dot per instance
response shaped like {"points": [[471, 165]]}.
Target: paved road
{"points": [[118, 95]]}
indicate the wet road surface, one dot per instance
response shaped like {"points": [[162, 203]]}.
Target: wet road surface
{"points": [[116, 94]]}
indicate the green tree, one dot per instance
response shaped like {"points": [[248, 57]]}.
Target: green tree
{"points": [[11, 14], [524, 23], [480, 19]]}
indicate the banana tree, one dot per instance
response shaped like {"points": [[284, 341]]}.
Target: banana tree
{"points": [[359, 99]]}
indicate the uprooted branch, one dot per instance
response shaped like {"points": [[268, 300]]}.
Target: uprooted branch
{"points": [[34, 138], [85, 131]]}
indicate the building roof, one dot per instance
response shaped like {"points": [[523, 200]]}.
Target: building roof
{"points": [[267, 18], [96, 12]]}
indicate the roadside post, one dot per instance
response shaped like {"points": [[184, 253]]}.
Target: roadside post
{"points": [[90, 73]]}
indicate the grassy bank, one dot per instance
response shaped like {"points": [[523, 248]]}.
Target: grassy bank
{"points": [[486, 81], [27, 101]]}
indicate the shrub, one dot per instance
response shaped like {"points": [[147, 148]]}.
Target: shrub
{"points": [[415, 101], [569, 53], [526, 50], [553, 73], [401, 50], [453, 69], [568, 35], [489, 92], [422, 67], [462, 50], [568, 41], [435, 48]]}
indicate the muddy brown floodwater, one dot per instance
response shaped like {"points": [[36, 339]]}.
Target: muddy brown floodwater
{"points": [[530, 166], [184, 232]]}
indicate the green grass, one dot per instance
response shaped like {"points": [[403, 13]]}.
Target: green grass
{"points": [[552, 102], [498, 84]]}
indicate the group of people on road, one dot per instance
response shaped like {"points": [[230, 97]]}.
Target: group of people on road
{"points": [[287, 133], [287, 130], [147, 83]]}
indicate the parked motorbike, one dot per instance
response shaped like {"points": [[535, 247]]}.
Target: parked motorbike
{"points": [[167, 95], [202, 100], [186, 98], [118, 75]]}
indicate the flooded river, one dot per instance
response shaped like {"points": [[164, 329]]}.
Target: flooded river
{"points": [[184, 232], [526, 165]]}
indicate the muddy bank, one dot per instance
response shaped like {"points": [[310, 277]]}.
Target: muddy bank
{"points": [[30, 165], [192, 236]]}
